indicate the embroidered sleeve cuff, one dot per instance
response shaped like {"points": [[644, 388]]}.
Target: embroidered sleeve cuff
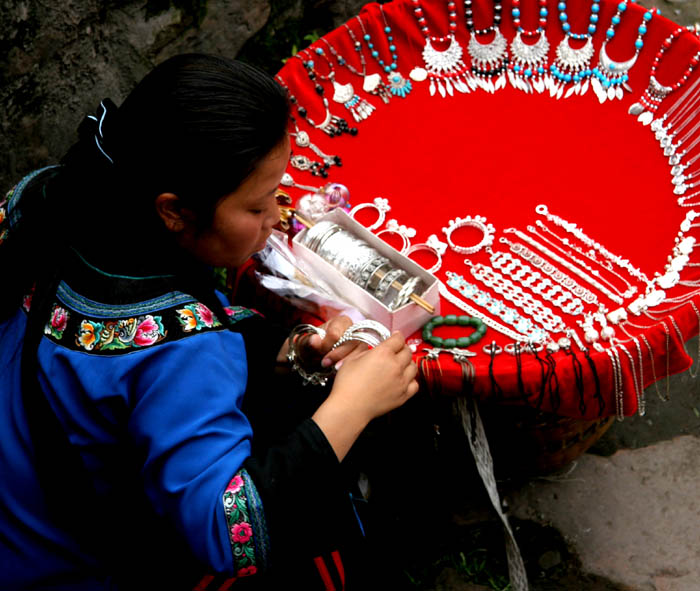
{"points": [[245, 523]]}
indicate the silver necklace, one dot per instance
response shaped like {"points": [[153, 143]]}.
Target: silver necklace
{"points": [[528, 69], [445, 69]]}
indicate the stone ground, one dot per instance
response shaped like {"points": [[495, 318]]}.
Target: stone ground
{"points": [[625, 516]]}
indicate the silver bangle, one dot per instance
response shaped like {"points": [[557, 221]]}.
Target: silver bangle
{"points": [[478, 222], [369, 332], [318, 378]]}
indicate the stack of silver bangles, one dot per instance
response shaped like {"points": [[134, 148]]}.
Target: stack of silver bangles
{"points": [[362, 264], [369, 332]]}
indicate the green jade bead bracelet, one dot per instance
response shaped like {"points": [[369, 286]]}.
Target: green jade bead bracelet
{"points": [[453, 320]]}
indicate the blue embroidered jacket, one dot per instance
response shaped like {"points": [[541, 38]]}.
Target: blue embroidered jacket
{"points": [[134, 369]]}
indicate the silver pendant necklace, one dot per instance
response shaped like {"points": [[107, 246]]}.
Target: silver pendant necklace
{"points": [[489, 60], [445, 69], [572, 67], [528, 71], [609, 77]]}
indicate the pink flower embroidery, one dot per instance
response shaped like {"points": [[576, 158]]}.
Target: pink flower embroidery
{"points": [[59, 319], [205, 315], [246, 571], [147, 332], [241, 532], [235, 485]]}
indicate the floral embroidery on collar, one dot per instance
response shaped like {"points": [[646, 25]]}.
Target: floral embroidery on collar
{"points": [[116, 329], [196, 317], [58, 322], [120, 334], [245, 522]]}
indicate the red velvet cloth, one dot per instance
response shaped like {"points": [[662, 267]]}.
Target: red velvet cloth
{"points": [[499, 155]]}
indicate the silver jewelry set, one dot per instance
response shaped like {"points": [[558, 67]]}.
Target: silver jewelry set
{"points": [[369, 332]]}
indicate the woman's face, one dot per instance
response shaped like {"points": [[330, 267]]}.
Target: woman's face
{"points": [[242, 220]]}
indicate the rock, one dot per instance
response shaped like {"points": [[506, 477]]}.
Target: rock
{"points": [[62, 58], [632, 518]]}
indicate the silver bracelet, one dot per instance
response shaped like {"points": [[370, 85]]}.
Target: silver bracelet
{"points": [[369, 332], [534, 281], [551, 271], [317, 378], [468, 309], [576, 231], [528, 331], [615, 298], [515, 294]]}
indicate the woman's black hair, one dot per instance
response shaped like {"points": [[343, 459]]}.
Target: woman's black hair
{"points": [[196, 126]]}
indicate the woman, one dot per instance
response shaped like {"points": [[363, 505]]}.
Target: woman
{"points": [[143, 440]]}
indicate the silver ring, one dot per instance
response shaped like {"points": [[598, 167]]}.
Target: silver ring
{"points": [[492, 348], [380, 204], [406, 233], [424, 246]]}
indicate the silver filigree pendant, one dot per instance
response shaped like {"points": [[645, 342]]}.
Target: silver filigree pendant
{"points": [[445, 69], [569, 69], [528, 70], [489, 62], [359, 108]]}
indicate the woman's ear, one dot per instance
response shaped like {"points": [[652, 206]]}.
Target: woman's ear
{"points": [[175, 217]]}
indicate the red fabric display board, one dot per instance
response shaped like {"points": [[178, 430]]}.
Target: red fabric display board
{"points": [[499, 155]]}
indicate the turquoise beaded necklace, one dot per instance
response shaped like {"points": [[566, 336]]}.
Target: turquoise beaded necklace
{"points": [[610, 77], [398, 85], [572, 67]]}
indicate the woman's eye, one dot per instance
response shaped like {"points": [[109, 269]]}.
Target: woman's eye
{"points": [[256, 211]]}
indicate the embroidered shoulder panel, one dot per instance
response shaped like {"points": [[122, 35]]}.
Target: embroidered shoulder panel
{"points": [[245, 523], [84, 325]]}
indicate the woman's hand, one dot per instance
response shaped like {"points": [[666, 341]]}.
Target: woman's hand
{"points": [[368, 385], [321, 348], [314, 350]]}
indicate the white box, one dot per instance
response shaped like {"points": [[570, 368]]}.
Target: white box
{"points": [[408, 318]]}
